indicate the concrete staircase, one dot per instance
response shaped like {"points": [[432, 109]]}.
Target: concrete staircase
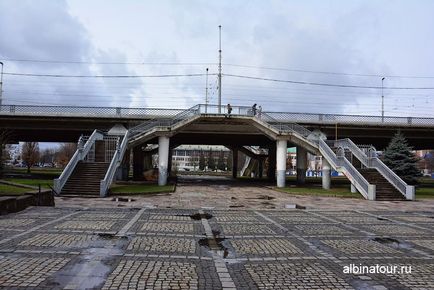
{"points": [[384, 190], [86, 178]]}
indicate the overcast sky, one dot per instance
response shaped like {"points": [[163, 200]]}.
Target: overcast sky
{"points": [[136, 38]]}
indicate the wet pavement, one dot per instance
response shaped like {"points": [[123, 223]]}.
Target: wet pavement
{"points": [[146, 247]]}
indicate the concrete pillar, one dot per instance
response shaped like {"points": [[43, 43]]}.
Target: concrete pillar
{"points": [[353, 188], [163, 159], [169, 165], [260, 167], [301, 165], [281, 153], [326, 174], [234, 162], [138, 163], [271, 173]]}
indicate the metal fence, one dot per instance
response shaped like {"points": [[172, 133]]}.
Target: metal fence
{"points": [[152, 113]]}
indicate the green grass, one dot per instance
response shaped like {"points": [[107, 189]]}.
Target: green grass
{"points": [[33, 182], [314, 191], [12, 190], [424, 192], [140, 189]]}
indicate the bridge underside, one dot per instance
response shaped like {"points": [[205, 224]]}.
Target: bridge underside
{"points": [[68, 129]]}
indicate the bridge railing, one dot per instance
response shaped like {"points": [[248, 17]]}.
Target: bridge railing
{"points": [[150, 113], [98, 112], [353, 119], [372, 161]]}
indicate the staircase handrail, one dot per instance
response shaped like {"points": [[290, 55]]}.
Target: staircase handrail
{"points": [[284, 127], [340, 162], [114, 164], [80, 154], [375, 162]]}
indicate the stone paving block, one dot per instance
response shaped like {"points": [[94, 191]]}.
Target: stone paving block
{"points": [[322, 230], [162, 244], [359, 246], [264, 247], [247, 229], [59, 240], [28, 272], [86, 225], [394, 229]]}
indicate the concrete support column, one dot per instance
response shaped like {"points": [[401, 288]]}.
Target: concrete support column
{"points": [[326, 174], [271, 172], [301, 165], [234, 162], [169, 165], [138, 163], [281, 153], [260, 167], [353, 188], [163, 159]]}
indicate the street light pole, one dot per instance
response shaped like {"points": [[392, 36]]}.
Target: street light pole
{"points": [[206, 92], [382, 100], [1, 85], [220, 70]]}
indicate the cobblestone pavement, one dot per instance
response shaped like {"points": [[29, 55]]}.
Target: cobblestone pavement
{"points": [[168, 248]]}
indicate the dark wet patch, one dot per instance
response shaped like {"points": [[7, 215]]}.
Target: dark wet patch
{"points": [[267, 203], [214, 244], [106, 236], [215, 233], [394, 243], [236, 205], [232, 197], [381, 219], [199, 216]]}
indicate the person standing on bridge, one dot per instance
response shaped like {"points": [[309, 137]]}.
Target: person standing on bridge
{"points": [[254, 110], [229, 110]]}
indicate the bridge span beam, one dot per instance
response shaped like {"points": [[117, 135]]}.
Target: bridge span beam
{"points": [[163, 159], [281, 153]]}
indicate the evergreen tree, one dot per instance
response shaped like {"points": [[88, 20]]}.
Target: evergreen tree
{"points": [[201, 161], [399, 157], [211, 161], [221, 161]]}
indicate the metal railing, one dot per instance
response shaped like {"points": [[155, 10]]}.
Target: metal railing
{"points": [[81, 111], [372, 161], [340, 163], [152, 113], [80, 154], [114, 165]]}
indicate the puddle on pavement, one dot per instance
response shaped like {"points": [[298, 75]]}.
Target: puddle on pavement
{"points": [[381, 219], [199, 216], [394, 243], [215, 245], [236, 205], [107, 236]]}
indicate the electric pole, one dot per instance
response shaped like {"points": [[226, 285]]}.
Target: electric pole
{"points": [[1, 85], [220, 70], [382, 100], [206, 92]]}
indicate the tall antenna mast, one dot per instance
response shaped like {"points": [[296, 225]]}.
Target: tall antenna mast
{"points": [[220, 70], [206, 92]]}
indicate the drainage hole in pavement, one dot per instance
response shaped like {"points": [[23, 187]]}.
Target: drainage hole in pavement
{"points": [[214, 244], [199, 216]]}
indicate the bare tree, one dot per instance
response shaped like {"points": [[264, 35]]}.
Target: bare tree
{"points": [[30, 154], [65, 153]]}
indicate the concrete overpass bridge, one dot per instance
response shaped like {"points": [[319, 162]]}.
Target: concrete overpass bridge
{"points": [[67, 123], [100, 156]]}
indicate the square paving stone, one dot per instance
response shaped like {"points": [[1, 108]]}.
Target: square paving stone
{"points": [[359, 246], [400, 230], [28, 272], [247, 229], [233, 218], [167, 217], [265, 246], [130, 274], [426, 243], [414, 276], [322, 230], [299, 220], [14, 223], [163, 245], [164, 227], [357, 219], [413, 219], [86, 225], [297, 275], [102, 216], [59, 240]]}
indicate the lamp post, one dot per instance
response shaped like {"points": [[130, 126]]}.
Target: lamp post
{"points": [[206, 92], [1, 85], [382, 99], [220, 70]]}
